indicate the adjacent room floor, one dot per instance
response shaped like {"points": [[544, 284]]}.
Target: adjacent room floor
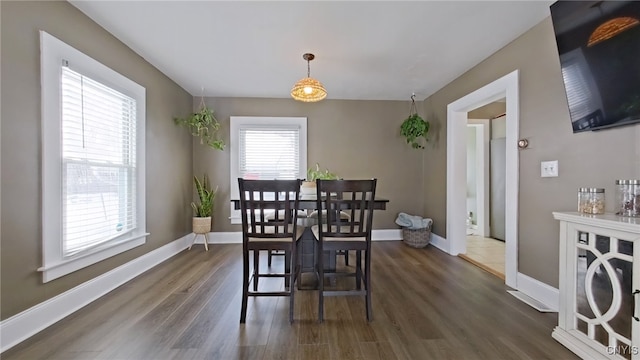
{"points": [[486, 253]]}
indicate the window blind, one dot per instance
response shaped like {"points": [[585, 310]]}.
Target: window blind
{"points": [[98, 162], [268, 153]]}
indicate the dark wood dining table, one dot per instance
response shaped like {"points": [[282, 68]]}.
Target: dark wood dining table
{"points": [[309, 202], [307, 244]]}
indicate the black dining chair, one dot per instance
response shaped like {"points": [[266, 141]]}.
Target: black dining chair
{"points": [[272, 216], [335, 233], [258, 198]]}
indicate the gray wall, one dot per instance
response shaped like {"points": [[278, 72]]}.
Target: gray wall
{"points": [[354, 139], [593, 159], [169, 166]]}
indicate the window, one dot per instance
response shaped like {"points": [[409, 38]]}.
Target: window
{"points": [[266, 148], [93, 160]]}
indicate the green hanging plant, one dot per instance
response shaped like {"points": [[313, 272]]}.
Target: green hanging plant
{"points": [[414, 127], [203, 125]]}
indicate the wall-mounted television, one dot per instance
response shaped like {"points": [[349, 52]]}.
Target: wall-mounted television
{"points": [[599, 47]]}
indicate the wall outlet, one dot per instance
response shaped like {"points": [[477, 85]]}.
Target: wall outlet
{"points": [[549, 168]]}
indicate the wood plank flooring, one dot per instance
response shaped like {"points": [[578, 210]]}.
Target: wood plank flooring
{"points": [[426, 305], [486, 253]]}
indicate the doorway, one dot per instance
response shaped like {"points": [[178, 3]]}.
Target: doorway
{"points": [[457, 117], [485, 246]]}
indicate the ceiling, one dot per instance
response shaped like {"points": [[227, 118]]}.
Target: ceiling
{"points": [[364, 50]]}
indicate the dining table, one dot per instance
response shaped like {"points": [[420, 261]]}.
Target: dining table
{"points": [[307, 243]]}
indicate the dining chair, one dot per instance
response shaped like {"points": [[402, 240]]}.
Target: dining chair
{"points": [[356, 198], [272, 216], [257, 199], [343, 216]]}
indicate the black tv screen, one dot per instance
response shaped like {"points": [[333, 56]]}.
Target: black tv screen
{"points": [[599, 47]]}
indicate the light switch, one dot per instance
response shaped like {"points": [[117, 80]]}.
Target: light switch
{"points": [[549, 168]]}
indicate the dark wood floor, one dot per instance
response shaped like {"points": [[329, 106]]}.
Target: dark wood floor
{"points": [[426, 305]]}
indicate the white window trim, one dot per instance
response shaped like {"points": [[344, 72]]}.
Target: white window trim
{"points": [[53, 51], [236, 122]]}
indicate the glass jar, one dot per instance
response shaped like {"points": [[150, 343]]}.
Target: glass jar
{"points": [[628, 197], [595, 201], [583, 199]]}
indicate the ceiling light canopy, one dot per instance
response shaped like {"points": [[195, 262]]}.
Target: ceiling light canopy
{"points": [[308, 89]]}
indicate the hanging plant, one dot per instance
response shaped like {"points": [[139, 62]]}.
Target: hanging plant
{"points": [[414, 127], [203, 125]]}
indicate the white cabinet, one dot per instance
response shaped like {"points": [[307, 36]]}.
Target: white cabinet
{"points": [[599, 316]]}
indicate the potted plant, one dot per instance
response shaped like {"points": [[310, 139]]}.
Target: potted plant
{"points": [[309, 186], [203, 210], [204, 125], [414, 127]]}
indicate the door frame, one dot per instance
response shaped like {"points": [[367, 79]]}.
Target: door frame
{"points": [[457, 118]]}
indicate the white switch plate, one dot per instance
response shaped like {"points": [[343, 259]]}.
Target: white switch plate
{"points": [[549, 168]]}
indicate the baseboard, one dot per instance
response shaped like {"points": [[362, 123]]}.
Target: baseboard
{"points": [[578, 347], [386, 234], [235, 237], [230, 237], [440, 242], [548, 295], [35, 319]]}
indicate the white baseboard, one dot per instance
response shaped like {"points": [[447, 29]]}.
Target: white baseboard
{"points": [[582, 349], [386, 234], [440, 242], [235, 237], [548, 295], [35, 319]]}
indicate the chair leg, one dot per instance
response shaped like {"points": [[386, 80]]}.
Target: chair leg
{"points": [[346, 257], [287, 268], [367, 279], [245, 286], [320, 262], [256, 269], [292, 280], [358, 269]]}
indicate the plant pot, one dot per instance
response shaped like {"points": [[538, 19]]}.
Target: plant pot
{"points": [[201, 225], [308, 188]]}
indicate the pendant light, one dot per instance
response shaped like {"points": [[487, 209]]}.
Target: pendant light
{"points": [[308, 89]]}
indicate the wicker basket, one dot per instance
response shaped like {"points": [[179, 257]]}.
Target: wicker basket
{"points": [[201, 225], [416, 238]]}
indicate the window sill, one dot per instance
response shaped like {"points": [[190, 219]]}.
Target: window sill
{"points": [[66, 266]]}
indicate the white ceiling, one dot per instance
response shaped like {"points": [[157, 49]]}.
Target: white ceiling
{"points": [[364, 50]]}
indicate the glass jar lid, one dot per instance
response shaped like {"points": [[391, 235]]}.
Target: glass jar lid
{"points": [[596, 190], [627, 182]]}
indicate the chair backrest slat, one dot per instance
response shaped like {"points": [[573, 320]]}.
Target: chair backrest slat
{"points": [[258, 198], [354, 197]]}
